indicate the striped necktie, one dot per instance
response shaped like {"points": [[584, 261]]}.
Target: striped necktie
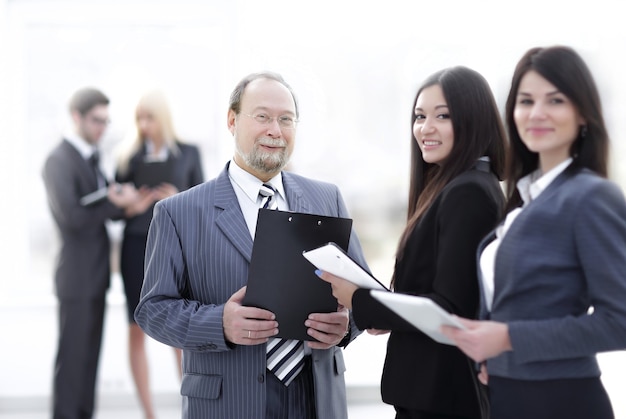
{"points": [[285, 357]]}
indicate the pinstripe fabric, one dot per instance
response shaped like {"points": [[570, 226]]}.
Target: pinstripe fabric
{"points": [[197, 256], [291, 402]]}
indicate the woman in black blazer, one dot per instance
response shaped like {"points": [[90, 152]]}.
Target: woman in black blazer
{"points": [[554, 272], [154, 144], [457, 152]]}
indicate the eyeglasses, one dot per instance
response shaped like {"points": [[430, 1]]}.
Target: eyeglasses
{"points": [[99, 121], [284, 121]]}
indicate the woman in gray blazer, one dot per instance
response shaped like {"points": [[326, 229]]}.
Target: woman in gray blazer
{"points": [[552, 274]]}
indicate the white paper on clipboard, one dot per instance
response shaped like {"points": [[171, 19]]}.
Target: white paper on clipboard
{"points": [[421, 312], [333, 259]]}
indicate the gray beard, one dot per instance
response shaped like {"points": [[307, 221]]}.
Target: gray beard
{"points": [[266, 162]]}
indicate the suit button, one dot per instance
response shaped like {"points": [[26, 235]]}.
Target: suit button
{"points": [[261, 378]]}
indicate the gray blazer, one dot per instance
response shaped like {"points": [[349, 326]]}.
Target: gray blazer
{"points": [[564, 253], [198, 252]]}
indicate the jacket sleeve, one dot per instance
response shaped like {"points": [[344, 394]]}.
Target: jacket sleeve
{"points": [[465, 215], [356, 252], [600, 242], [63, 193], [163, 311]]}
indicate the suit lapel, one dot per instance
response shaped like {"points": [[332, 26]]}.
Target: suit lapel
{"points": [[295, 195], [230, 220], [545, 196], [83, 164]]}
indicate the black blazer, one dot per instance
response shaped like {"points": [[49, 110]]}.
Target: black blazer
{"points": [[83, 264], [439, 262], [187, 172]]}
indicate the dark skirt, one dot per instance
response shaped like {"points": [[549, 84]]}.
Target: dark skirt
{"points": [[131, 266], [580, 398]]}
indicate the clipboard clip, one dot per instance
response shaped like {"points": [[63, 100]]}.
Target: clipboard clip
{"points": [[319, 222]]}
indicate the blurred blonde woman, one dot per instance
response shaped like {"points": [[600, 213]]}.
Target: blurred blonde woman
{"points": [[154, 147]]}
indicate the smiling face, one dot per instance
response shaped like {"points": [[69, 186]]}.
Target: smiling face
{"points": [[547, 121], [263, 149], [433, 127]]}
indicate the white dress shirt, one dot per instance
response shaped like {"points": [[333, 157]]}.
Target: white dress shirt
{"points": [[247, 188], [151, 156], [84, 148]]}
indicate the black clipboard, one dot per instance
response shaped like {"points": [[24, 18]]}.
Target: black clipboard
{"points": [[280, 279], [153, 173]]}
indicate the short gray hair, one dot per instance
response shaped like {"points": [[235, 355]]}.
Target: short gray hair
{"points": [[237, 93]]}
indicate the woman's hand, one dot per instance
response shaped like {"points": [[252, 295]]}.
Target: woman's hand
{"points": [[483, 375], [165, 190], [342, 288], [480, 340]]}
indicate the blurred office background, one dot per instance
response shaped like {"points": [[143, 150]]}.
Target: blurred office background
{"points": [[355, 66]]}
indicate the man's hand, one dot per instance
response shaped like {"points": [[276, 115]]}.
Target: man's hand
{"points": [[328, 328], [247, 325], [377, 332]]}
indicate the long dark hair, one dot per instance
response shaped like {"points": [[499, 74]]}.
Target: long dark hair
{"points": [[566, 70], [478, 131]]}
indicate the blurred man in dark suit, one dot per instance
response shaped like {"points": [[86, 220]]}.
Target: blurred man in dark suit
{"points": [[71, 172]]}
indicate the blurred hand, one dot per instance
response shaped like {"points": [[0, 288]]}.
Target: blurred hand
{"points": [[377, 332], [122, 194], [483, 375], [328, 328], [342, 288], [481, 340], [165, 190], [247, 325], [145, 198]]}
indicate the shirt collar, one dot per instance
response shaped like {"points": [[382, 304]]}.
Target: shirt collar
{"points": [[250, 184], [84, 148], [151, 156], [531, 185]]}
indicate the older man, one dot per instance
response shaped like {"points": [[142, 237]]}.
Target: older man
{"points": [[199, 250]]}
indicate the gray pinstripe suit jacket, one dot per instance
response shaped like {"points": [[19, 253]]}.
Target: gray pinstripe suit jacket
{"points": [[198, 253]]}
